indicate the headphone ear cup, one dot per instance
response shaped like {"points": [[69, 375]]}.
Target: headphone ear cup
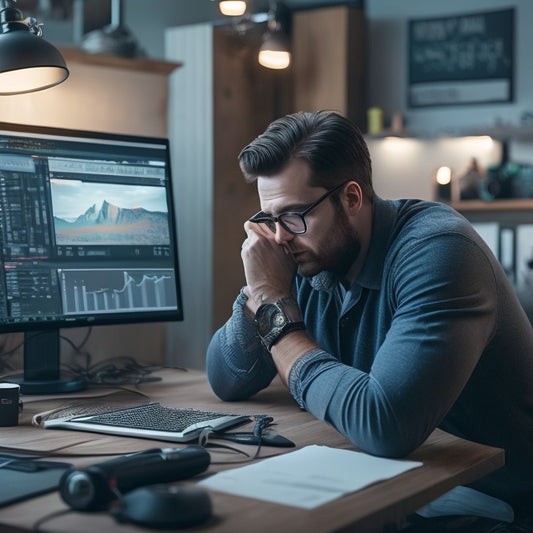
{"points": [[164, 506]]}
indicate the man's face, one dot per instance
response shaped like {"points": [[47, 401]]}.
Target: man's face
{"points": [[331, 242]]}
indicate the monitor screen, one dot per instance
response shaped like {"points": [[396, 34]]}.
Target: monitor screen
{"points": [[88, 237]]}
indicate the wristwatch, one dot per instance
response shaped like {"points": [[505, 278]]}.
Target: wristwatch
{"points": [[275, 320]]}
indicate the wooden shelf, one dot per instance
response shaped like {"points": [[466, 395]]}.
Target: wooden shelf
{"points": [[514, 204], [502, 134], [104, 60], [505, 133]]}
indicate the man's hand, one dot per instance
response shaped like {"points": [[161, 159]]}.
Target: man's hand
{"points": [[268, 267]]}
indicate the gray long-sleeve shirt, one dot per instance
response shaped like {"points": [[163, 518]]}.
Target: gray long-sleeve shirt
{"points": [[431, 334]]}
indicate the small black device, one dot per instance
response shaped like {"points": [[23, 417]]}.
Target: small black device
{"points": [[164, 507], [267, 438], [95, 487]]}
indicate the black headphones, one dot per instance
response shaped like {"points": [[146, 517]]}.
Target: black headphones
{"points": [[135, 488]]}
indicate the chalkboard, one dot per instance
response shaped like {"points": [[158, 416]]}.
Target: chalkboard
{"points": [[461, 59]]}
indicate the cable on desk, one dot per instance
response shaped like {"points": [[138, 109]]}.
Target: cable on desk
{"points": [[121, 370], [36, 528], [261, 423], [33, 455]]}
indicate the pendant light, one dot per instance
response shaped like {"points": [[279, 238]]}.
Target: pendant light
{"points": [[275, 52], [28, 63], [113, 39]]}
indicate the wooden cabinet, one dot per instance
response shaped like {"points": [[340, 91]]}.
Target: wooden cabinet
{"points": [[329, 61], [247, 97]]}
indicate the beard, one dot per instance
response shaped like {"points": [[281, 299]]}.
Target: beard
{"points": [[336, 252]]}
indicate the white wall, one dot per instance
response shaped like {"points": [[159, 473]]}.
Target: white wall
{"points": [[191, 135], [405, 168]]}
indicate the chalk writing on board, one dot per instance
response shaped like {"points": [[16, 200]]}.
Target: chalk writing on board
{"points": [[461, 59]]}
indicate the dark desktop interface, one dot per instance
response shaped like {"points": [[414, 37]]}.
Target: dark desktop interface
{"points": [[86, 229]]}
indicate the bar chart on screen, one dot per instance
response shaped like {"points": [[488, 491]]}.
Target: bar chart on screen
{"points": [[108, 290]]}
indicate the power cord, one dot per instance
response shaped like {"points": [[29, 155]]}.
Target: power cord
{"points": [[261, 423], [254, 437]]}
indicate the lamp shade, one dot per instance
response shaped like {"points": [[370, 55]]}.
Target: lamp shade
{"points": [[27, 62]]}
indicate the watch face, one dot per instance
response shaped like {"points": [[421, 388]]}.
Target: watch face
{"points": [[278, 320], [269, 317], [272, 323]]}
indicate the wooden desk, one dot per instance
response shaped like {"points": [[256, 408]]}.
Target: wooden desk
{"points": [[448, 461]]}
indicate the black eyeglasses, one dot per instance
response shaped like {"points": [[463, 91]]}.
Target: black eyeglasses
{"points": [[293, 222]]}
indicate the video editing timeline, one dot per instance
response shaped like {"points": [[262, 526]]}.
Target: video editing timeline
{"points": [[85, 230]]}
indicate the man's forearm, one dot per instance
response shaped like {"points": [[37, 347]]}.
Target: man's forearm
{"points": [[289, 349]]}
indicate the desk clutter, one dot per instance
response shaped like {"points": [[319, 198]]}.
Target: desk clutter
{"points": [[136, 488], [131, 488]]}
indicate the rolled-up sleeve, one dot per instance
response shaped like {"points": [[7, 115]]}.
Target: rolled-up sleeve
{"points": [[237, 364]]}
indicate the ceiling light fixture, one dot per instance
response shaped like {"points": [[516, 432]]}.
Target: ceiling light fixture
{"points": [[275, 52], [233, 8], [113, 39], [27, 62]]}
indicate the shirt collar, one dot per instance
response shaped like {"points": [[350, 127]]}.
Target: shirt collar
{"points": [[383, 219]]}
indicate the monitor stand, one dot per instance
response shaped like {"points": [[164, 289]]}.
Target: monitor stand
{"points": [[42, 374]]}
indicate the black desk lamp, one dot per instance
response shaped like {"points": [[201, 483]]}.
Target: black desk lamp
{"points": [[27, 62]]}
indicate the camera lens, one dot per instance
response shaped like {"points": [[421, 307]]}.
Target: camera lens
{"points": [[78, 490]]}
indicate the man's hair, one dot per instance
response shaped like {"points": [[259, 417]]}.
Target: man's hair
{"points": [[332, 146]]}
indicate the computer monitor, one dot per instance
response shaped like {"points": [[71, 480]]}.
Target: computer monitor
{"points": [[88, 237]]}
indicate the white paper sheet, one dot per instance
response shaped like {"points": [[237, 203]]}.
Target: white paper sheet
{"points": [[308, 477]]}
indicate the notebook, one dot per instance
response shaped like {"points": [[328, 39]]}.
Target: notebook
{"points": [[150, 421]]}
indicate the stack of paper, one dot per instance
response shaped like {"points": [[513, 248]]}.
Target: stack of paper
{"points": [[308, 477]]}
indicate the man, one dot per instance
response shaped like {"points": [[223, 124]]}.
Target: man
{"points": [[386, 319]]}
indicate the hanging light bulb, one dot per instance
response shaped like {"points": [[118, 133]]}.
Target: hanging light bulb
{"points": [[232, 8], [275, 51]]}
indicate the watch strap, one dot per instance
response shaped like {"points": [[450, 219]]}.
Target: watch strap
{"points": [[287, 328]]}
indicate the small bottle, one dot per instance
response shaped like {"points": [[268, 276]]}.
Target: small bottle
{"points": [[470, 181], [375, 120]]}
